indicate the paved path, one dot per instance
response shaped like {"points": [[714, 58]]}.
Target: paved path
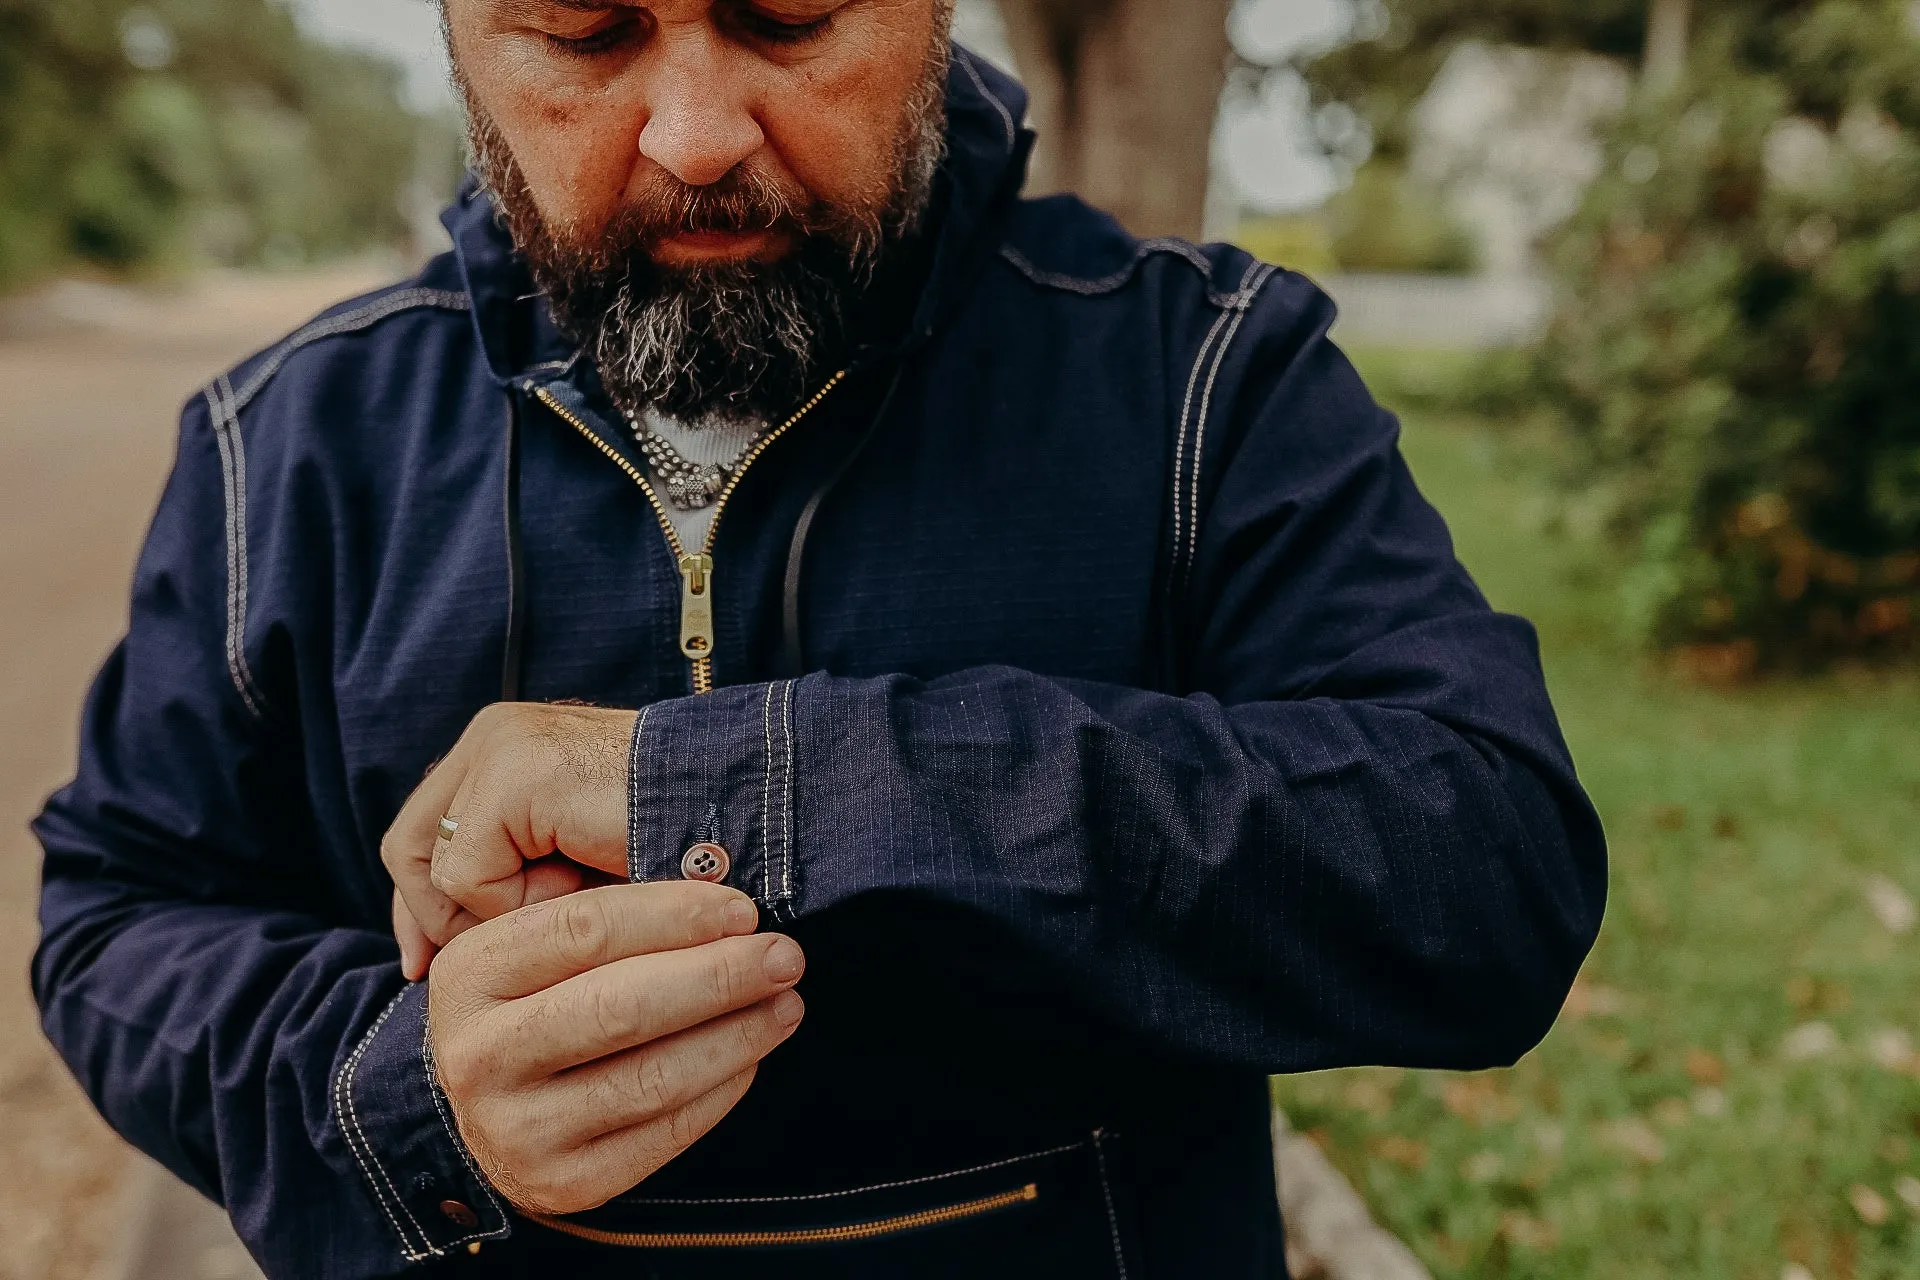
{"points": [[87, 411]]}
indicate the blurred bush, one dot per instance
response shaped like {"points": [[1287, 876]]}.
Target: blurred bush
{"points": [[1383, 221], [1386, 221], [1736, 356], [1298, 242], [135, 136]]}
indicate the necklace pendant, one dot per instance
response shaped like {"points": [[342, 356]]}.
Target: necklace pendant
{"points": [[696, 489]]}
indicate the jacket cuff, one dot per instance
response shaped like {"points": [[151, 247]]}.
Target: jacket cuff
{"points": [[719, 769], [397, 1123]]}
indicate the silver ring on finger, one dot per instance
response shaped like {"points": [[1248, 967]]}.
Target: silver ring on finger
{"points": [[448, 828]]}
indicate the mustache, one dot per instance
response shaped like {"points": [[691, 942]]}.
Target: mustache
{"points": [[745, 200]]}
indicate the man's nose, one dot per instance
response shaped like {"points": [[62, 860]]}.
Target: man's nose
{"points": [[700, 124]]}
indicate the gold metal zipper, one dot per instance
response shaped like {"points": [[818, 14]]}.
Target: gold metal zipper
{"points": [[775, 1239], [696, 571]]}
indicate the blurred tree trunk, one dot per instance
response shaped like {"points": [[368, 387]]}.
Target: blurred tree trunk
{"points": [[1667, 36], [1125, 93]]}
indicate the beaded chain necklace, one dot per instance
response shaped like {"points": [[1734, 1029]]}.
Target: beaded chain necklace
{"points": [[690, 485]]}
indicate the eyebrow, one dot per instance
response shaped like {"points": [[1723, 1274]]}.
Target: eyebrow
{"points": [[584, 6]]}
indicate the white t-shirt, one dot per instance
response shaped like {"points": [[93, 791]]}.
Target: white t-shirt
{"points": [[717, 444]]}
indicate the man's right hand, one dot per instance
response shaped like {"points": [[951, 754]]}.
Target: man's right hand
{"points": [[587, 1041]]}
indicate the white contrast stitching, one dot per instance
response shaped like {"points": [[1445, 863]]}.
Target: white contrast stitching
{"points": [[347, 322], [226, 438], [1180, 446], [786, 793], [633, 797], [1106, 1194], [460, 1147], [1248, 289], [979, 82], [350, 1127], [766, 802], [1109, 283], [883, 1186]]}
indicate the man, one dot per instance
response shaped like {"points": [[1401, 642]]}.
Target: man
{"points": [[769, 521]]}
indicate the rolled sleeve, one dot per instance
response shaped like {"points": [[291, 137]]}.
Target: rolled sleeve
{"points": [[395, 1121]]}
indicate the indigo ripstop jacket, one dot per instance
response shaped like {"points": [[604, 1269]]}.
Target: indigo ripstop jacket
{"points": [[1098, 701]]}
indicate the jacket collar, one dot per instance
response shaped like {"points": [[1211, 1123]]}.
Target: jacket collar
{"points": [[987, 150]]}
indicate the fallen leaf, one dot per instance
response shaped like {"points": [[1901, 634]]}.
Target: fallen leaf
{"points": [[1705, 1068], [1892, 906], [1527, 1231], [1891, 1049], [1483, 1167], [1479, 1098], [1672, 1112], [1808, 1041], [1669, 817], [1802, 991], [1369, 1096], [1710, 1102], [1408, 1153], [1726, 826], [1869, 1204], [1592, 1000], [1907, 1187], [1635, 1137]]}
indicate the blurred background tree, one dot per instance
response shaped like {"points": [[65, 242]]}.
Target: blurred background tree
{"points": [[135, 136], [1124, 98], [1733, 363], [1730, 369]]}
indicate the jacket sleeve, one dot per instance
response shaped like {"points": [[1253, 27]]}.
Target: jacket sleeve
{"points": [[1357, 839], [198, 971]]}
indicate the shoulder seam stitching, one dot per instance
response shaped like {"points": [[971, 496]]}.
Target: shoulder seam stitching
{"points": [[360, 318], [1109, 283], [233, 495], [1193, 422]]}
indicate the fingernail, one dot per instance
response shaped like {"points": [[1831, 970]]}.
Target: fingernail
{"points": [[742, 916], [787, 1008], [784, 961]]}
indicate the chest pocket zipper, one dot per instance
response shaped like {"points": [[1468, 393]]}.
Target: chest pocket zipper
{"points": [[849, 1234]]}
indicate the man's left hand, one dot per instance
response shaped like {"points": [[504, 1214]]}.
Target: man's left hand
{"points": [[534, 803]]}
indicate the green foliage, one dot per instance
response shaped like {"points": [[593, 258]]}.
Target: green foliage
{"points": [[240, 140], [1738, 1059], [1385, 221], [1734, 361]]}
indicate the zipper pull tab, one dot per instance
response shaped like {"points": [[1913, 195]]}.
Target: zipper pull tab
{"points": [[696, 607]]}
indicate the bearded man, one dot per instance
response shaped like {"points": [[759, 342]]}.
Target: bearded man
{"points": [[799, 553]]}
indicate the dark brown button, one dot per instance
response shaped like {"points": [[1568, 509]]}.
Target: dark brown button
{"points": [[708, 862], [459, 1214]]}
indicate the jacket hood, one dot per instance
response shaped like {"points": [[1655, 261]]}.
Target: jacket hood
{"points": [[985, 166]]}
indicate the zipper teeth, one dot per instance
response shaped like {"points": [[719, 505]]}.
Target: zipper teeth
{"points": [[823, 1235], [702, 667], [760, 446], [633, 473]]}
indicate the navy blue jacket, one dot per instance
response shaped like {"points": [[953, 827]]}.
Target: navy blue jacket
{"points": [[1098, 701]]}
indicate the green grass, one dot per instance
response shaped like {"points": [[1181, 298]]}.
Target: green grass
{"points": [[1662, 1130]]}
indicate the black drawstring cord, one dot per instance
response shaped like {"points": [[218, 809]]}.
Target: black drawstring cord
{"points": [[510, 669], [793, 656]]}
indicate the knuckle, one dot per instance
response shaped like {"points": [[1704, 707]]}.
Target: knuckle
{"points": [[460, 1073], [684, 1128], [652, 1084], [583, 929], [610, 1014]]}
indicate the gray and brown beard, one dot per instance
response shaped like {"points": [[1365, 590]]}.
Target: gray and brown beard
{"points": [[739, 341]]}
